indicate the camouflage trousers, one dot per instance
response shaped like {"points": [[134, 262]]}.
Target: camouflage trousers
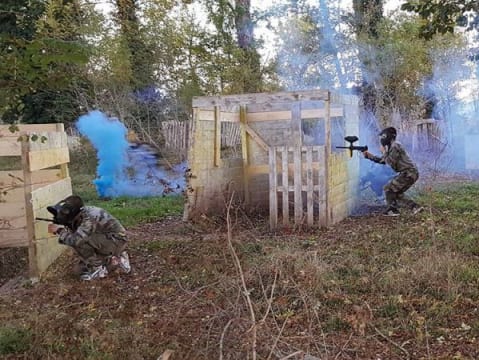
{"points": [[99, 248], [394, 190]]}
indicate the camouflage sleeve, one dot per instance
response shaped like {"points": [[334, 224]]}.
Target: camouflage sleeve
{"points": [[81, 234], [395, 154], [376, 159]]}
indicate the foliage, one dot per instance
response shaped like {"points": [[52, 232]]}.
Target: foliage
{"points": [[42, 58], [399, 62], [441, 17]]}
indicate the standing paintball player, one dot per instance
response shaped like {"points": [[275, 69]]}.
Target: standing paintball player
{"points": [[97, 237], [394, 155]]}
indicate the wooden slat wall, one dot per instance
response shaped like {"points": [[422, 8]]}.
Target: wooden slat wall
{"points": [[30, 190], [306, 182]]}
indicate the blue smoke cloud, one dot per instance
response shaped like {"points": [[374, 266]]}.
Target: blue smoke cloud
{"points": [[126, 169]]}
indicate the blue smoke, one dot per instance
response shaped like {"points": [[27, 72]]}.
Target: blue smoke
{"points": [[126, 169]]}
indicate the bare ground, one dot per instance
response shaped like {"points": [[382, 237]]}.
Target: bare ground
{"points": [[369, 287]]}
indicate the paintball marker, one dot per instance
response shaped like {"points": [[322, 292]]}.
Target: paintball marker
{"points": [[351, 147], [46, 219]]}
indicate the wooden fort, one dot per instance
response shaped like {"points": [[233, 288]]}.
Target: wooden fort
{"points": [[285, 160], [34, 174]]}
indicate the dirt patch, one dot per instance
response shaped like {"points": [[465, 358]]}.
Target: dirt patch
{"points": [[13, 263]]}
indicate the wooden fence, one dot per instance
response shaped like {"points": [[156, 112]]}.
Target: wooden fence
{"points": [[42, 180], [176, 135], [300, 186]]}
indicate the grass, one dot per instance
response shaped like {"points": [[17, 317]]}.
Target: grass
{"points": [[14, 340], [129, 210], [368, 287]]}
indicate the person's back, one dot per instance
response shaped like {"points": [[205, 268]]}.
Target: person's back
{"points": [[397, 158]]}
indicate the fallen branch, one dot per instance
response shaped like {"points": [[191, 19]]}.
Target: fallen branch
{"points": [[241, 274]]}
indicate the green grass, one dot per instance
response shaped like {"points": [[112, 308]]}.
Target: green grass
{"points": [[14, 340], [129, 210]]}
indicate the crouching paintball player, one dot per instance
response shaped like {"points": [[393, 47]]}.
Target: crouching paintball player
{"points": [[394, 155], [97, 237]]}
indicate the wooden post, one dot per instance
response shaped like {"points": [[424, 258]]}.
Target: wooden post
{"points": [[273, 189], [217, 144], [297, 132], [285, 181], [298, 185], [244, 151], [309, 186], [28, 187], [327, 155]]}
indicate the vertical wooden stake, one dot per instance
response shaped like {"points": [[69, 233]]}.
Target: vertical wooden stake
{"points": [[327, 144], [28, 187], [273, 189], [298, 184], [244, 150], [309, 185], [285, 181], [217, 146]]}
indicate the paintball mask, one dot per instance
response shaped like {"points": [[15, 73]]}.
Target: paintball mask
{"points": [[66, 210], [387, 135]]}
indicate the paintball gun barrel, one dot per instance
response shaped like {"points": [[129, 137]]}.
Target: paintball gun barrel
{"points": [[351, 147], [45, 219]]}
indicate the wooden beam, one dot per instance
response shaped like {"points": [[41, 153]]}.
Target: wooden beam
{"points": [[217, 140], [285, 184], [273, 195], [42, 159], [244, 151], [256, 137], [30, 227], [229, 101]]}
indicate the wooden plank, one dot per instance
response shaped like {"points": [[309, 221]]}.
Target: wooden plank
{"points": [[323, 186], [42, 159], [12, 182], [244, 152], [209, 115], [51, 194], [229, 101], [296, 125], [5, 129], [264, 168], [30, 229], [285, 184], [283, 115], [13, 238], [256, 137], [273, 195], [15, 219], [12, 209], [48, 140], [309, 186], [217, 135], [327, 153], [10, 147], [298, 199]]}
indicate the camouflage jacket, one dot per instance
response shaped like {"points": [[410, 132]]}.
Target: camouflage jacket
{"points": [[91, 220], [396, 157]]}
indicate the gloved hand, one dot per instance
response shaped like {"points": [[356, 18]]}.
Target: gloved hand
{"points": [[367, 154], [55, 229]]}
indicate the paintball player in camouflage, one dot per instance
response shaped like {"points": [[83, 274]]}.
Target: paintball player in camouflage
{"points": [[97, 237], [397, 158]]}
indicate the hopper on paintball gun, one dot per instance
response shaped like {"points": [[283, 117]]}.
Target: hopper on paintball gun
{"points": [[351, 147]]}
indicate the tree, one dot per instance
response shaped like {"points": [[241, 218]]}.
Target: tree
{"points": [[441, 17], [139, 54], [43, 52]]}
